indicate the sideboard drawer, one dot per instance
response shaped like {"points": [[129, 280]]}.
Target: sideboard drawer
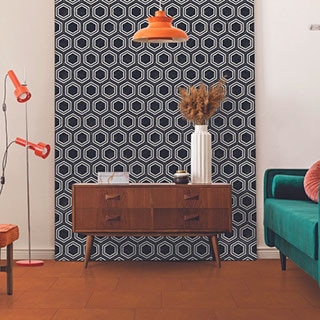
{"points": [[176, 197], [112, 220], [192, 196], [110, 197], [206, 220]]}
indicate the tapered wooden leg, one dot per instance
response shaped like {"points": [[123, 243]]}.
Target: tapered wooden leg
{"points": [[215, 247], [9, 268], [88, 250]]}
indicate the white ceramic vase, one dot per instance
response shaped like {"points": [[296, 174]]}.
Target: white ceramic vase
{"points": [[201, 154]]}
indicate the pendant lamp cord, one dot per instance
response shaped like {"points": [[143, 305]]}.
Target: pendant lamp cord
{"points": [[160, 5]]}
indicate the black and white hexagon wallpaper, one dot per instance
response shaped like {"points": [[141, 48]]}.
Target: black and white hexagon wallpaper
{"points": [[117, 110]]}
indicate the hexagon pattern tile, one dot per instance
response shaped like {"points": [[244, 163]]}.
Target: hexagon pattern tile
{"points": [[117, 110]]}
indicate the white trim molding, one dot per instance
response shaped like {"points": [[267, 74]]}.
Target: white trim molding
{"points": [[36, 254], [48, 254], [267, 253]]}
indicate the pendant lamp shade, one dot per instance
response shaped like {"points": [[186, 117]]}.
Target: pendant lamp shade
{"points": [[160, 30]]}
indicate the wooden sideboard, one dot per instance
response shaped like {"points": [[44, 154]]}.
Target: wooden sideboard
{"points": [[151, 209]]}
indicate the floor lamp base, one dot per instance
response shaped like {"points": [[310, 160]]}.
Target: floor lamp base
{"points": [[30, 263]]}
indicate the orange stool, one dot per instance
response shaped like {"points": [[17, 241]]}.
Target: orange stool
{"points": [[8, 234]]}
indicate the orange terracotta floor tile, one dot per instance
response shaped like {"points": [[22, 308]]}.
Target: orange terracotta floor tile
{"points": [[198, 299], [94, 314], [175, 314], [137, 299], [161, 290], [27, 314]]}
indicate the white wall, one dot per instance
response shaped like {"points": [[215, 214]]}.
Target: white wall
{"points": [[287, 104], [27, 47], [287, 88]]}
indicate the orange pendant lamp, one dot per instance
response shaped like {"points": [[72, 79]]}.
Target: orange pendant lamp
{"points": [[160, 30]]}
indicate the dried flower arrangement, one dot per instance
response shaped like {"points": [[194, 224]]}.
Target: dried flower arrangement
{"points": [[198, 105]]}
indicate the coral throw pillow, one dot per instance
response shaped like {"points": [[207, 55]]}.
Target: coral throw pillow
{"points": [[312, 181]]}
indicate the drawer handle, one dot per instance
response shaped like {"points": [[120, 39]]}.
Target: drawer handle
{"points": [[112, 197], [191, 217], [191, 197], [113, 218]]}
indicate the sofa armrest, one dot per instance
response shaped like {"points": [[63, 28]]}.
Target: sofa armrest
{"points": [[271, 173]]}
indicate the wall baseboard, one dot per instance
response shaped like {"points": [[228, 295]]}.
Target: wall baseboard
{"points": [[267, 253], [48, 254], [36, 254]]}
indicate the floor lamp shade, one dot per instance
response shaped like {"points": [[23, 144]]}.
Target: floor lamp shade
{"points": [[21, 91], [40, 149], [160, 30]]}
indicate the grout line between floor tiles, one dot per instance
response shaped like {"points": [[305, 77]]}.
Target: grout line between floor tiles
{"points": [[56, 312]]}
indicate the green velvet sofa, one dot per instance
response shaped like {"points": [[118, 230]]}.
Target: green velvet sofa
{"points": [[291, 220]]}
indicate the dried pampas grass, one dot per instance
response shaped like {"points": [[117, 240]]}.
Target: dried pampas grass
{"points": [[198, 105]]}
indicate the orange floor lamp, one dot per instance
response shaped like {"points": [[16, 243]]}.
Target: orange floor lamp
{"points": [[40, 149]]}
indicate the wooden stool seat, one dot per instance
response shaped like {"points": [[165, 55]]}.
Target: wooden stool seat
{"points": [[8, 234]]}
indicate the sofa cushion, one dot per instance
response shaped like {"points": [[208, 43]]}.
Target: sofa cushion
{"points": [[312, 181], [288, 187], [296, 221]]}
